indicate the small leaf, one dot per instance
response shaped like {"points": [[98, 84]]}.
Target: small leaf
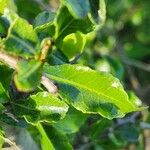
{"points": [[66, 24], [55, 137], [44, 24], [22, 40], [28, 75], [8, 119], [72, 122], [41, 107], [90, 91], [73, 44], [98, 11], [78, 8], [57, 58], [45, 142], [98, 128]]}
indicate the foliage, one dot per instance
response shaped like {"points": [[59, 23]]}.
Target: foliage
{"points": [[60, 77]]}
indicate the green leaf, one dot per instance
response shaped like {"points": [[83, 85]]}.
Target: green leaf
{"points": [[41, 107], [3, 4], [90, 91], [78, 8], [28, 75], [53, 136], [1, 108], [3, 96], [66, 24], [13, 121], [57, 58], [22, 39], [73, 44], [72, 122], [44, 24], [98, 11], [98, 128], [5, 76], [46, 143], [94, 9]]}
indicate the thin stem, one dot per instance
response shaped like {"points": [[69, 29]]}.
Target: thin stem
{"points": [[12, 144], [12, 63]]}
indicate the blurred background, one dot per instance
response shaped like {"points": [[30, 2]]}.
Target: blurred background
{"points": [[122, 48]]}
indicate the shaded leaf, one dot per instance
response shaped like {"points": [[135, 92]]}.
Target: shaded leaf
{"points": [[78, 8], [72, 122], [66, 24], [22, 40], [3, 96], [41, 107], [28, 75], [44, 24], [57, 138], [57, 58]]}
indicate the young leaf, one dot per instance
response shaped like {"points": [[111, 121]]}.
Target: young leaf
{"points": [[41, 107], [73, 44], [90, 91], [28, 75]]}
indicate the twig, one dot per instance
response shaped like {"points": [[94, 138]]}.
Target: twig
{"points": [[12, 63], [9, 60], [12, 144], [42, 4], [49, 85], [134, 81]]}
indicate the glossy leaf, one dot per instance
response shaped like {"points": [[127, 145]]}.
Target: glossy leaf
{"points": [[28, 75], [90, 91], [22, 40], [41, 107]]}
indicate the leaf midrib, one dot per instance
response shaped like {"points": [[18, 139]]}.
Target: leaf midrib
{"points": [[93, 91]]}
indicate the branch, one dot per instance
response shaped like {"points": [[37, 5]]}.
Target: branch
{"points": [[12, 62], [12, 144], [133, 79], [132, 62]]}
